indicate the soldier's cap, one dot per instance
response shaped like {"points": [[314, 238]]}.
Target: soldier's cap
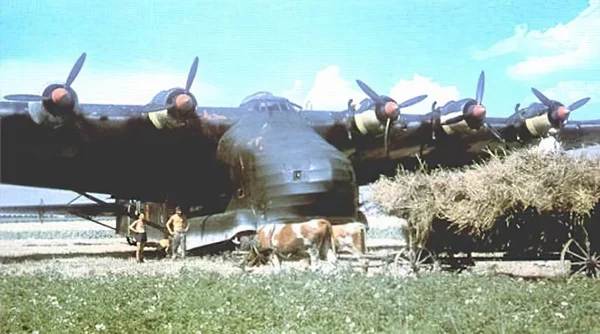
{"points": [[178, 209]]}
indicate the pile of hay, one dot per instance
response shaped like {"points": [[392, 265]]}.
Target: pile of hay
{"points": [[475, 197]]}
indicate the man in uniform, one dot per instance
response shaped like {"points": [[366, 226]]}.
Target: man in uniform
{"points": [[138, 229], [178, 227]]}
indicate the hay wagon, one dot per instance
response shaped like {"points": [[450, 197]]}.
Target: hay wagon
{"points": [[525, 238], [528, 205]]}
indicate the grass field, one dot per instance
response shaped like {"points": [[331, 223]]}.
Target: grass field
{"points": [[196, 301]]}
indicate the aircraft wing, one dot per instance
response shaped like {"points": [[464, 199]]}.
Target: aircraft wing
{"points": [[577, 134], [88, 209], [116, 149]]}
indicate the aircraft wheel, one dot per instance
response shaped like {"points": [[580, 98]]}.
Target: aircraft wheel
{"points": [[580, 259]]}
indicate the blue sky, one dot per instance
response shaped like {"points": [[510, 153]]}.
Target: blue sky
{"points": [[305, 50]]}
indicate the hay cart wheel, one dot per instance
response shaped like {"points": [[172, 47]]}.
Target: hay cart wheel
{"points": [[580, 259], [415, 260]]}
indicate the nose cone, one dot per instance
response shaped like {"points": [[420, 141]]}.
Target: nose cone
{"points": [[391, 110], [562, 113], [61, 97], [479, 111], [184, 102]]}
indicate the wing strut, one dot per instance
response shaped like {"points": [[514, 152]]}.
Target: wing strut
{"points": [[88, 196], [86, 217]]}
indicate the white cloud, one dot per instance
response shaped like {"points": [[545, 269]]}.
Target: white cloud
{"points": [[406, 89], [96, 86], [568, 92], [503, 47], [575, 45], [330, 91], [296, 94]]}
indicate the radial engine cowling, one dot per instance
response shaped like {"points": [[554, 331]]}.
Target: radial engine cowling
{"points": [[455, 110], [181, 106], [60, 108], [58, 103], [175, 107]]}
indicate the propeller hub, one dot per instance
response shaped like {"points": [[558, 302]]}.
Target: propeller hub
{"points": [[479, 111], [184, 102], [391, 110], [562, 113], [61, 97]]}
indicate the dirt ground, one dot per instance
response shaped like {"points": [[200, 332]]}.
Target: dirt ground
{"points": [[101, 257]]}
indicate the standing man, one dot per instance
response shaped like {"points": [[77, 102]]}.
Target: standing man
{"points": [[178, 227], [138, 229]]}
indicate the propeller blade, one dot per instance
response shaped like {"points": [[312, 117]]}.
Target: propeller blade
{"points": [[385, 136], [480, 88], [192, 75], [454, 120], [26, 98], [412, 101], [75, 70], [494, 131], [578, 104], [545, 101], [365, 104], [371, 93]]}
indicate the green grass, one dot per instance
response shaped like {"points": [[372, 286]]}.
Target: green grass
{"points": [[297, 303]]}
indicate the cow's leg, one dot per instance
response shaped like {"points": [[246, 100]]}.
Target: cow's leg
{"points": [[313, 257], [331, 257], [276, 261]]}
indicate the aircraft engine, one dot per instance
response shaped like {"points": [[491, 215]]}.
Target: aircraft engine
{"points": [[556, 117], [461, 116], [386, 112], [467, 115], [58, 103], [175, 107]]}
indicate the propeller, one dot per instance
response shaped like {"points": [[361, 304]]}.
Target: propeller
{"points": [[183, 101], [476, 113], [557, 112], [391, 109], [59, 95]]}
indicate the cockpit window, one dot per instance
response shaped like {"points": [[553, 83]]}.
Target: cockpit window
{"points": [[265, 101]]}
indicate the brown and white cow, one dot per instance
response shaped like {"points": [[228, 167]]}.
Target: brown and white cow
{"points": [[350, 238], [311, 240]]}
